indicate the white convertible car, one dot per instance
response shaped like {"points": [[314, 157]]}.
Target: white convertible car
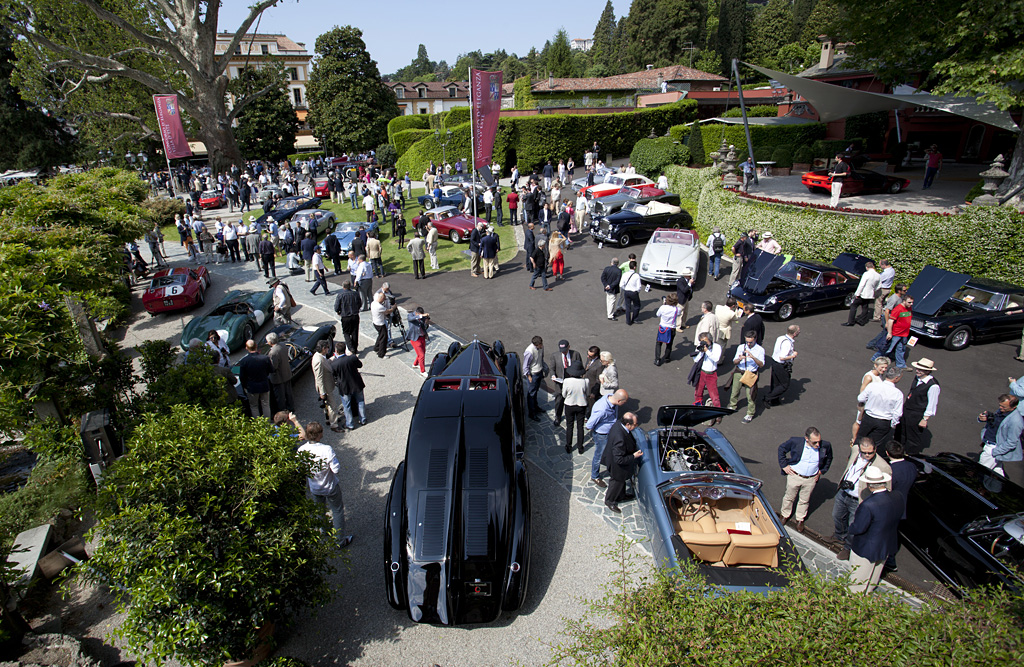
{"points": [[668, 252]]}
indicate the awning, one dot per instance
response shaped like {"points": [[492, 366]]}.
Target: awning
{"points": [[834, 102], [762, 120]]}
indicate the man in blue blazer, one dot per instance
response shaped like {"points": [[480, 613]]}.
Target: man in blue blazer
{"points": [[803, 461], [874, 531], [904, 474]]}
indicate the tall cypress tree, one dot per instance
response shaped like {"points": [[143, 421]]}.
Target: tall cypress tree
{"points": [[732, 30], [602, 52]]}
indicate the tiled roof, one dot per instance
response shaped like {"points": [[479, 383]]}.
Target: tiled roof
{"points": [[643, 80], [284, 43], [434, 89]]}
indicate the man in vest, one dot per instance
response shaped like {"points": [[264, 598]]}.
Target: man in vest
{"points": [[921, 404]]}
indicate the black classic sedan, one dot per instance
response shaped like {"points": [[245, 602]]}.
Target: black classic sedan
{"points": [[783, 287], [957, 309], [287, 207], [636, 222], [699, 503], [457, 521], [965, 523], [602, 206]]}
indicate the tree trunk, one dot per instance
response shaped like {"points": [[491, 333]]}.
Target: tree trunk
{"points": [[1015, 167], [220, 146]]}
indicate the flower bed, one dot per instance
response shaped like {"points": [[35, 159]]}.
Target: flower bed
{"points": [[826, 207]]}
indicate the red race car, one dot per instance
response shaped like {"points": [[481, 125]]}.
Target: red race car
{"points": [[212, 199], [615, 182], [320, 188], [176, 289], [858, 182]]}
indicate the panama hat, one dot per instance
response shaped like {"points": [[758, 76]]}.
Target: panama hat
{"points": [[875, 476], [925, 364]]}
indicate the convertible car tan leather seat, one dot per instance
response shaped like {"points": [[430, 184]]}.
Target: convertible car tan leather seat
{"points": [[702, 538], [752, 550]]}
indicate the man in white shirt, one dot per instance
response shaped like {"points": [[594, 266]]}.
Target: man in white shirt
{"points": [[630, 286], [575, 388], [769, 244], [782, 365], [282, 303], [319, 273], [864, 296], [488, 204], [885, 281], [368, 205], [749, 357], [852, 490], [883, 408], [662, 182], [379, 315], [323, 482], [580, 211], [707, 354]]}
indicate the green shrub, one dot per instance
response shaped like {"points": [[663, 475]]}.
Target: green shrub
{"points": [[689, 183], [193, 382], [757, 111], [803, 154], [763, 153], [456, 116], [829, 148], [295, 157], [386, 156], [53, 485], [681, 133], [410, 122], [651, 156], [403, 140], [782, 156], [523, 94], [162, 210], [760, 135], [976, 191], [695, 142]]}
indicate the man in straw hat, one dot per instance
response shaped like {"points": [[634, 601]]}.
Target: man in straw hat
{"points": [[921, 404], [874, 530]]}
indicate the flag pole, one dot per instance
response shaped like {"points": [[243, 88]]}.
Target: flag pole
{"points": [[472, 141]]}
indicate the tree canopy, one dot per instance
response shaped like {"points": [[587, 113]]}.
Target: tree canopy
{"points": [[348, 102], [267, 126]]}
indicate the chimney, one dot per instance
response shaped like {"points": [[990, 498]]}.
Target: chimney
{"points": [[826, 53], [551, 81], [650, 67], [844, 48]]}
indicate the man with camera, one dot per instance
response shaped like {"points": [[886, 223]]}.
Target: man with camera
{"points": [[705, 360], [852, 491], [749, 360], [1001, 439]]}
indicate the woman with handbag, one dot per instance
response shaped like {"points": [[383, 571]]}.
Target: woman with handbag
{"points": [[555, 248], [667, 315], [417, 337], [748, 362]]}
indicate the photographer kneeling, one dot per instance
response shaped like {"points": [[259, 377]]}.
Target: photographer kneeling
{"points": [[419, 321]]}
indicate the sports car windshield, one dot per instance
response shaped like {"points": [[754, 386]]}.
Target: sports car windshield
{"points": [[615, 180], [167, 281], [979, 298], [632, 193], [639, 209], [678, 237], [800, 275], [287, 204], [347, 227], [210, 194]]}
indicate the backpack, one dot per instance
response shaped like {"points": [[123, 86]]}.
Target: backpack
{"points": [[718, 244]]}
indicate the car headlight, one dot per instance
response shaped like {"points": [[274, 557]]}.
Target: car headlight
{"points": [[644, 267], [771, 301], [931, 326]]}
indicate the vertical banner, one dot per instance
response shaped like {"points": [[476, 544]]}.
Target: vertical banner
{"points": [[486, 101], [171, 130]]}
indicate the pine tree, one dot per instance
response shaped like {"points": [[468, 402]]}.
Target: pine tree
{"points": [[732, 30], [559, 60], [770, 31], [603, 51]]}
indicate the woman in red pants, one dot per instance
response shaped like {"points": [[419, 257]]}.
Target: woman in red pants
{"points": [[419, 321], [555, 247]]}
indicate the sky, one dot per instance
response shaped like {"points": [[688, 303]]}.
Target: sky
{"points": [[394, 29]]}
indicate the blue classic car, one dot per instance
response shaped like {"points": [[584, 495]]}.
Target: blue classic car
{"points": [[782, 286], [699, 502], [345, 232], [451, 195], [457, 521], [237, 318]]}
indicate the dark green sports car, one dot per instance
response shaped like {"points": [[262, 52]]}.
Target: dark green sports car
{"points": [[237, 318]]}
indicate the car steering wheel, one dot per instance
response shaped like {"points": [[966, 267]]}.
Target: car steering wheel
{"points": [[695, 501], [1001, 546]]}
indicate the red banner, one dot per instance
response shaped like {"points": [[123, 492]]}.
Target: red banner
{"points": [[485, 89], [171, 130]]}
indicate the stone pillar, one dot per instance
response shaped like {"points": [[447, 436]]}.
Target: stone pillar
{"points": [[730, 180], [994, 176]]}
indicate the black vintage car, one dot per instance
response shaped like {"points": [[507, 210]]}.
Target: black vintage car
{"points": [[288, 207], [457, 522], [783, 287], [965, 523], [635, 222], [301, 343], [602, 206], [957, 309]]}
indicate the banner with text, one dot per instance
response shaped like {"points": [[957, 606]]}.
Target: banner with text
{"points": [[171, 131], [486, 91]]}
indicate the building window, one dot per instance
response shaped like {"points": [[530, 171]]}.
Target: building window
{"points": [[451, 91], [297, 96], [400, 93], [293, 72], [423, 111], [422, 92], [238, 50], [265, 49]]}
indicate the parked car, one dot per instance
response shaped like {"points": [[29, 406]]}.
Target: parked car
{"points": [[615, 182], [325, 220], [267, 192], [464, 178], [965, 523], [636, 222], [288, 207], [212, 199], [858, 182], [668, 254], [451, 195], [599, 176], [449, 222], [346, 233], [958, 309], [176, 289], [320, 188], [301, 342], [237, 318], [699, 503], [603, 206], [457, 518], [783, 287]]}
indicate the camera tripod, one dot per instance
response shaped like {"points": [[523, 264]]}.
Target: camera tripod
{"points": [[396, 320]]}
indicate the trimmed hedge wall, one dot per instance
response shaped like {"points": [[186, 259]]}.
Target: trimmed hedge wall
{"points": [[959, 243], [406, 138], [757, 111], [304, 156], [449, 119], [760, 135], [402, 123], [554, 136], [652, 156]]}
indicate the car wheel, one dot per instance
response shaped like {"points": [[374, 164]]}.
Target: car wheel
{"points": [[624, 240], [958, 339], [201, 300], [786, 311], [895, 188], [248, 332], [332, 333], [428, 203], [848, 301], [454, 236], [813, 191]]}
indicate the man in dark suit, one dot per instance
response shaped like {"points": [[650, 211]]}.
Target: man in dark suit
{"points": [[592, 368], [753, 323], [347, 308], [560, 361], [874, 531], [610, 278], [349, 382], [904, 474], [529, 244], [620, 456], [254, 370], [306, 247], [803, 461]]}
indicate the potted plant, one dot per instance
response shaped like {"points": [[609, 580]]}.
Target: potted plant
{"points": [[782, 156], [207, 536], [802, 158]]}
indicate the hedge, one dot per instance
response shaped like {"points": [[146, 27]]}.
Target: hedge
{"points": [[689, 183], [681, 133], [304, 156], [760, 135], [406, 138], [652, 156], [449, 119], [411, 122], [535, 139], [758, 111], [829, 148], [961, 243]]}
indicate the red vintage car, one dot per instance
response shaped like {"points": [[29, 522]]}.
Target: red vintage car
{"points": [[320, 188], [212, 199], [176, 289], [858, 182], [449, 222], [615, 182]]}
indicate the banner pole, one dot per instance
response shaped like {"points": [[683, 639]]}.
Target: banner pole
{"points": [[472, 141], [170, 176]]}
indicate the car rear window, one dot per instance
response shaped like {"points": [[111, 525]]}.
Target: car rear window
{"points": [[167, 281], [801, 275], [681, 237]]}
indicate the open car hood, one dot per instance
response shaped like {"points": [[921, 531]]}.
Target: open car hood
{"points": [[689, 415], [764, 266], [851, 262], [933, 287]]}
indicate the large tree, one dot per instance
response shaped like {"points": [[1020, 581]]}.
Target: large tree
{"points": [[732, 30], [661, 32], [971, 48], [157, 41], [266, 128], [770, 30], [603, 52], [559, 56], [349, 105]]}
